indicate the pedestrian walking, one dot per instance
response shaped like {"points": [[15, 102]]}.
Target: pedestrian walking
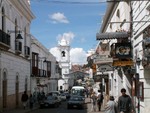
{"points": [[100, 98], [24, 99], [93, 101], [110, 106], [124, 103], [31, 101]]}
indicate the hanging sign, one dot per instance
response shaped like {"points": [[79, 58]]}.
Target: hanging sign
{"points": [[123, 63]]}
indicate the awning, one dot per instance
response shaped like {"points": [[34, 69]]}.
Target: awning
{"points": [[111, 35]]}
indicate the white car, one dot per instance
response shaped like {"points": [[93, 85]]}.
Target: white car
{"points": [[63, 96], [55, 93], [50, 101]]}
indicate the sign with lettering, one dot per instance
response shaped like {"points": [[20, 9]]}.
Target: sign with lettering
{"points": [[123, 50], [98, 60], [123, 63]]}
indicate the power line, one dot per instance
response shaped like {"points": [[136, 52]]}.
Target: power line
{"points": [[69, 2]]}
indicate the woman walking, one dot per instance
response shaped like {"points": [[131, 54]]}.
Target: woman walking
{"points": [[93, 101], [110, 106]]}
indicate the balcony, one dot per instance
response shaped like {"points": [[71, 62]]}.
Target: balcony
{"points": [[42, 73], [49, 73], [35, 71], [4, 40]]}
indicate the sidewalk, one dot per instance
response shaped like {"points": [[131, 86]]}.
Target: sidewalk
{"points": [[21, 110]]}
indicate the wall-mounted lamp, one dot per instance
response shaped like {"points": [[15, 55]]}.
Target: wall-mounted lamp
{"points": [[43, 58], [138, 61], [18, 36]]}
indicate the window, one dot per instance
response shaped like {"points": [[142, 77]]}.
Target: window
{"points": [[148, 10], [63, 53], [3, 19], [118, 13]]}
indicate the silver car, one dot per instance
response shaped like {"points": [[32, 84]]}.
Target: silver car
{"points": [[50, 101], [76, 101]]}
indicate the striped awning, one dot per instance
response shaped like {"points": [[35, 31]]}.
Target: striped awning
{"points": [[111, 35]]}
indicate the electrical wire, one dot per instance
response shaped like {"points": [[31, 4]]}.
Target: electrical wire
{"points": [[69, 2]]}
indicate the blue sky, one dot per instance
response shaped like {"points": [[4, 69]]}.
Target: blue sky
{"points": [[76, 19]]}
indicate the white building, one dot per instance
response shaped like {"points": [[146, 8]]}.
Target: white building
{"points": [[131, 21], [43, 69], [15, 18], [64, 63]]}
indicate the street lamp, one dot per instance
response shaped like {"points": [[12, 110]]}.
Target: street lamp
{"points": [[138, 61], [18, 36]]}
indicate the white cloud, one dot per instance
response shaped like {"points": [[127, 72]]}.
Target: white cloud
{"points": [[77, 55], [67, 36], [55, 51], [58, 18]]}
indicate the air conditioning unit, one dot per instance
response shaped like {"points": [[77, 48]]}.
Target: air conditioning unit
{"points": [[18, 47]]}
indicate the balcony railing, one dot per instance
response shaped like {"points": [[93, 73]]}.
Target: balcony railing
{"points": [[35, 71], [4, 40]]}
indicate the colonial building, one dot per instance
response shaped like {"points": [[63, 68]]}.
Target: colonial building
{"points": [[15, 20], [43, 68]]}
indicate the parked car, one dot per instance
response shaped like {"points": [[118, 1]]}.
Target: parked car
{"points": [[63, 96], [55, 93], [50, 101], [76, 101], [67, 95]]}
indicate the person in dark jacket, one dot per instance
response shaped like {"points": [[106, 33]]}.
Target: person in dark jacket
{"points": [[125, 102], [31, 101], [100, 98], [24, 99]]}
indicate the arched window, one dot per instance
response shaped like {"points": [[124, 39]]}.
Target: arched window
{"points": [[63, 53], [4, 76], [118, 13], [26, 84], [3, 19], [16, 27]]}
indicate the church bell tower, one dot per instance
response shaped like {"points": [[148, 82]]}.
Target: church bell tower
{"points": [[64, 50]]}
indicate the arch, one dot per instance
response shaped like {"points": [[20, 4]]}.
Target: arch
{"points": [[17, 89], [5, 73], [118, 13], [16, 27], [4, 88], [63, 53], [26, 83]]}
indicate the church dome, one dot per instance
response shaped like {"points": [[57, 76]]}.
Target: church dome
{"points": [[63, 42]]}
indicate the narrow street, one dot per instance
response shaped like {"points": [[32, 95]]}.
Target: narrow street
{"points": [[63, 109]]}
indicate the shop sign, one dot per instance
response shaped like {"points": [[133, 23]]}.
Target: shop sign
{"points": [[97, 78], [123, 63], [103, 60], [123, 50]]}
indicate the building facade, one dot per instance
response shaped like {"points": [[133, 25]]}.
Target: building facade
{"points": [[43, 69], [15, 20], [126, 29]]}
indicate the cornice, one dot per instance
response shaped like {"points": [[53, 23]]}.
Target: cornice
{"points": [[23, 8]]}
